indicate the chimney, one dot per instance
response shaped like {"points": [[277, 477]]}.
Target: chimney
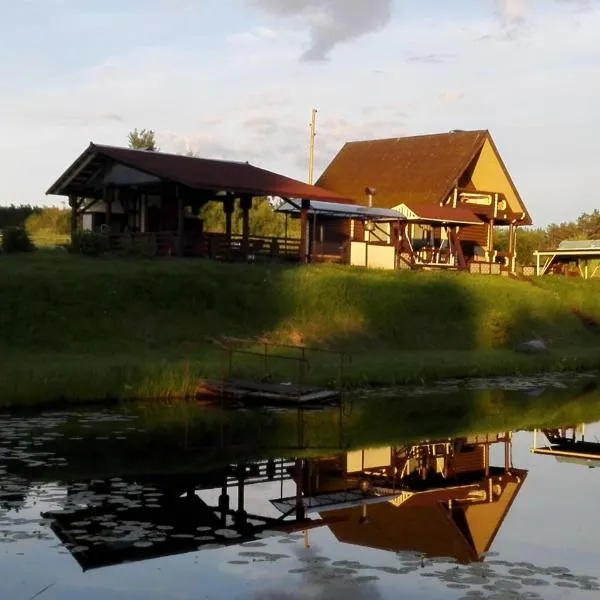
{"points": [[370, 193]]}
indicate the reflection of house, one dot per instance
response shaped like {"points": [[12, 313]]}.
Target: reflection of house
{"points": [[568, 444], [447, 499], [571, 257], [429, 179]]}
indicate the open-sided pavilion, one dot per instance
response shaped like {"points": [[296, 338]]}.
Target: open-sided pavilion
{"points": [[154, 198], [584, 255]]}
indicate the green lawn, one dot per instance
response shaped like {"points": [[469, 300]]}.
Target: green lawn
{"points": [[80, 329]]}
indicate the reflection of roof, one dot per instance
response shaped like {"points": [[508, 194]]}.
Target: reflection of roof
{"points": [[582, 453], [186, 527], [424, 524], [196, 173], [432, 213], [344, 211], [332, 501]]}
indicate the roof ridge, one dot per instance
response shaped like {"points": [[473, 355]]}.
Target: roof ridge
{"points": [[423, 135], [162, 153]]}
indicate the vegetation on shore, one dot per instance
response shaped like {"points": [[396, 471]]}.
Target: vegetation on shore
{"points": [[183, 437], [78, 329]]}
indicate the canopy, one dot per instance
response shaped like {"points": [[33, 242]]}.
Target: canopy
{"points": [[343, 211]]}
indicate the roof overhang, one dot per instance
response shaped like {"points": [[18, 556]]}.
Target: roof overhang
{"points": [[438, 215], [95, 168], [343, 211]]}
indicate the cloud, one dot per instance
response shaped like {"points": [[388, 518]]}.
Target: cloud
{"points": [[331, 22], [430, 59], [512, 12]]}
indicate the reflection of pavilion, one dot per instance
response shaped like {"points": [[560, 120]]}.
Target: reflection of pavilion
{"points": [[568, 444], [441, 498], [111, 521]]}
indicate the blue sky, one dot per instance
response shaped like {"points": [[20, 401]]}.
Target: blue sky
{"points": [[237, 79]]}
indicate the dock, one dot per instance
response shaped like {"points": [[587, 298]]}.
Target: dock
{"points": [[289, 388], [278, 394]]}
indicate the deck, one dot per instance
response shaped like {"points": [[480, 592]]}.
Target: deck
{"points": [[271, 386], [281, 394]]}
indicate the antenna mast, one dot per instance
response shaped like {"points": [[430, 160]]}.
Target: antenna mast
{"points": [[311, 152]]}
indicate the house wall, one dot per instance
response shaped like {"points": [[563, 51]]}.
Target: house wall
{"points": [[488, 175], [372, 256]]}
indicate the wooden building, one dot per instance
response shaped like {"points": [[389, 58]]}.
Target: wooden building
{"points": [[428, 176], [572, 257], [151, 200]]}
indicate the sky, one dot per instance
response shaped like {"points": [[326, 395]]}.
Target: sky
{"points": [[237, 79]]}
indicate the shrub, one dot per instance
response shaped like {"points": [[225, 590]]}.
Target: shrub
{"points": [[49, 221], [16, 239], [89, 243]]}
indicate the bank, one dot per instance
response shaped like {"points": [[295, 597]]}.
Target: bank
{"points": [[80, 329]]}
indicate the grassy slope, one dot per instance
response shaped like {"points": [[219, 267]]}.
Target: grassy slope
{"points": [[83, 328]]}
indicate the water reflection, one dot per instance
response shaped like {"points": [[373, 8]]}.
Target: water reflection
{"points": [[439, 498], [244, 491], [568, 445]]}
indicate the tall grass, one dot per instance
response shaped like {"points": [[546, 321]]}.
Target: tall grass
{"points": [[76, 328]]}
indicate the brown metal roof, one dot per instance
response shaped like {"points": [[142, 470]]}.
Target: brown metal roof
{"points": [[443, 214], [196, 173], [410, 169]]}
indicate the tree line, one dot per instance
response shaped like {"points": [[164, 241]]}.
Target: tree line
{"points": [[36, 220]]}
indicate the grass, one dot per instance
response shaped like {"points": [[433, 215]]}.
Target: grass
{"points": [[80, 329]]}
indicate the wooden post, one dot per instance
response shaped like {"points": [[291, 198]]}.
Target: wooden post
{"points": [[108, 200], [228, 207], [491, 240], [304, 241], [74, 204], [180, 222], [515, 253], [246, 205], [300, 510]]}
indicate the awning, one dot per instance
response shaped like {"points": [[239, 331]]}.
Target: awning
{"points": [[343, 211], [432, 214]]}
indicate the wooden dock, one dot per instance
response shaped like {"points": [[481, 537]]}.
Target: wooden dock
{"points": [[265, 390], [274, 394]]}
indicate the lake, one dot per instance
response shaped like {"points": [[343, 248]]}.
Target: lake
{"points": [[412, 494]]}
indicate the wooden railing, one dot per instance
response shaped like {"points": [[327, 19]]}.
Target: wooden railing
{"points": [[215, 246], [331, 252]]}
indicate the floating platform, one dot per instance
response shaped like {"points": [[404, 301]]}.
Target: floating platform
{"points": [[272, 394]]}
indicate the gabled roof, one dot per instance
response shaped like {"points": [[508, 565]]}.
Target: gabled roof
{"points": [[196, 173], [418, 169]]}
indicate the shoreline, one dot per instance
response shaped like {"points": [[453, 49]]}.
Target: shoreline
{"points": [[60, 382]]}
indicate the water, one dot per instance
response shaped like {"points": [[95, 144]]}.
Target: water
{"points": [[146, 502]]}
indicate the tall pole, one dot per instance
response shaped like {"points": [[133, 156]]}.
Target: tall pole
{"points": [[311, 153]]}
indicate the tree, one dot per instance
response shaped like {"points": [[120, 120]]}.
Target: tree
{"points": [[143, 139]]}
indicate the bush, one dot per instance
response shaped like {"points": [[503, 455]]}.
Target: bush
{"points": [[89, 243], [16, 239], [55, 221]]}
